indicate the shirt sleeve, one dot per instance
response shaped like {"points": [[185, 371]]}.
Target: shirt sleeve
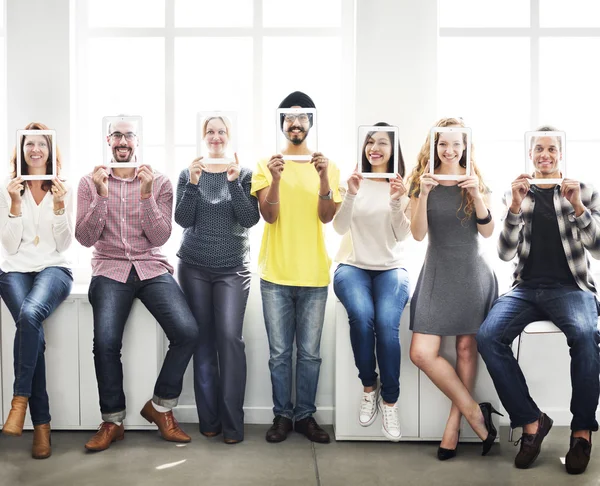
{"points": [[185, 201], [10, 228], [245, 205], [62, 224], [92, 210], [156, 213], [261, 178], [510, 235]]}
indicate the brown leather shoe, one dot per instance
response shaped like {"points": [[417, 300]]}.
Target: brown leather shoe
{"points": [[16, 416], [108, 432], [310, 428], [167, 424], [41, 442]]}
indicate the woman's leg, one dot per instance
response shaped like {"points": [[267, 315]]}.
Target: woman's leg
{"points": [[424, 353], [390, 293], [466, 369], [198, 290], [353, 286], [230, 295]]}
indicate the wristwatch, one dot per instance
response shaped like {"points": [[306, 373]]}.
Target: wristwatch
{"points": [[60, 212], [327, 196]]}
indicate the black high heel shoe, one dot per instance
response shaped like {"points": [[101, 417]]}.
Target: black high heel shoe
{"points": [[444, 454], [487, 410]]}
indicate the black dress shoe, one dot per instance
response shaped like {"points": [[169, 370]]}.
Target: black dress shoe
{"points": [[487, 410], [531, 444], [578, 456], [279, 430], [310, 428], [444, 454]]}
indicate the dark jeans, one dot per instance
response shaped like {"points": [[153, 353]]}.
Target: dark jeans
{"points": [[31, 298], [374, 301], [217, 298], [112, 301], [575, 313], [290, 312]]}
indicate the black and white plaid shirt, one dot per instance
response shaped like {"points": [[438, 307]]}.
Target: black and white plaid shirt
{"points": [[577, 234]]}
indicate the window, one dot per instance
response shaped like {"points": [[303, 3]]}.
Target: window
{"points": [[511, 67], [166, 60]]}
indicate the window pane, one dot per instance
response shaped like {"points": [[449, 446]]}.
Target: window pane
{"points": [[500, 162], [220, 79], [582, 163], [483, 13], [487, 90], [132, 83], [308, 13], [225, 13], [574, 13], [569, 96], [126, 13], [282, 74]]}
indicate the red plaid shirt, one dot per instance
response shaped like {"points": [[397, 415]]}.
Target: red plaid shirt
{"points": [[124, 229]]}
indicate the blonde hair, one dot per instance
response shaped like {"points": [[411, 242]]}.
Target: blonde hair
{"points": [[423, 166]]}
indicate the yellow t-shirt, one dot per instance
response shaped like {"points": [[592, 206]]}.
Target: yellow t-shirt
{"points": [[293, 250]]}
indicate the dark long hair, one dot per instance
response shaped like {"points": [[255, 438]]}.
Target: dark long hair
{"points": [[46, 185], [366, 165]]}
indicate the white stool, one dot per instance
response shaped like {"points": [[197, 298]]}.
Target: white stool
{"points": [[537, 327]]}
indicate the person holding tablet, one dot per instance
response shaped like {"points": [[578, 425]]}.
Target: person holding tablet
{"points": [[456, 286], [36, 224], [370, 279], [216, 210]]}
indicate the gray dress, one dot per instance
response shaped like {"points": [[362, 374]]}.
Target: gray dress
{"points": [[456, 286]]}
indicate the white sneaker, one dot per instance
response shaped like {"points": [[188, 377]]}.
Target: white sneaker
{"points": [[390, 423], [368, 408]]}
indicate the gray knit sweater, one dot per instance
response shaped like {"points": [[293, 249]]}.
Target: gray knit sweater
{"points": [[215, 215]]}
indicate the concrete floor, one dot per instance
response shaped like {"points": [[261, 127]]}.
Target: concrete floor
{"points": [[296, 461]]}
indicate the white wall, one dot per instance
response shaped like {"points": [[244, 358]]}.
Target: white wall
{"points": [[37, 68]]}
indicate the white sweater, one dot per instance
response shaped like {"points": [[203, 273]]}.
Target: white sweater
{"points": [[373, 227], [19, 252]]}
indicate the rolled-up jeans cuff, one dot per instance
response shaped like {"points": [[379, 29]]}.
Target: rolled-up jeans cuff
{"points": [[114, 417], [165, 402]]}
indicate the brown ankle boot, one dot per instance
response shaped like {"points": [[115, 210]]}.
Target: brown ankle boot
{"points": [[41, 442], [16, 416]]}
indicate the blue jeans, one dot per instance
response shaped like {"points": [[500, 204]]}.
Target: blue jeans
{"points": [[31, 298], [374, 301], [575, 313], [294, 311], [217, 297], [111, 302]]}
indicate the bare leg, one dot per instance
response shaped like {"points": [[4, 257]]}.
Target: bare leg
{"points": [[424, 353], [466, 369]]}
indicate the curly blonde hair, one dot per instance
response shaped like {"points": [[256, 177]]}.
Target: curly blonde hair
{"points": [[423, 166]]}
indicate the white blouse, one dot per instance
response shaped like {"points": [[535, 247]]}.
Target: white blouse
{"points": [[373, 227], [38, 224]]}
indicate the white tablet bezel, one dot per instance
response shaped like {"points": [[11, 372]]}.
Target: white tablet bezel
{"points": [[448, 177], [562, 164], [279, 136], [40, 177], [363, 130], [107, 152], [202, 151]]}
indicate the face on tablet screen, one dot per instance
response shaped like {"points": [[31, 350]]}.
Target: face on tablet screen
{"points": [[545, 153], [123, 141], [215, 135], [377, 150], [295, 126], [450, 148], [36, 150]]}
